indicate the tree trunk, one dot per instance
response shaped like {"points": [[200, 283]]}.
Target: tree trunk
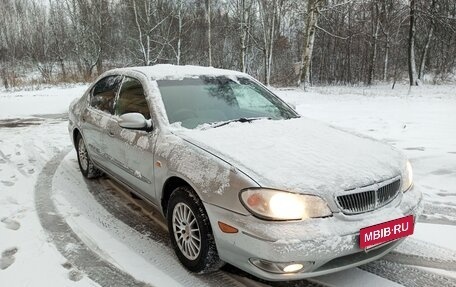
{"points": [[4, 75], [349, 49], [209, 24], [386, 59], [265, 49], [102, 33], [375, 29], [100, 66], [243, 52], [244, 34], [265, 62], [428, 42], [271, 42], [179, 39], [62, 68], [308, 42], [425, 52], [411, 46], [144, 50]]}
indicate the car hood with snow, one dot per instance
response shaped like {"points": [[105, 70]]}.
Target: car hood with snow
{"points": [[300, 155]]}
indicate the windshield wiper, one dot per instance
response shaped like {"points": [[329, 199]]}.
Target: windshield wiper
{"points": [[240, 120]]}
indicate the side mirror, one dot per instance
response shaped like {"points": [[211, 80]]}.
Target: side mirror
{"points": [[135, 121]]}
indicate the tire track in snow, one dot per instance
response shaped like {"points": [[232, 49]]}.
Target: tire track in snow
{"points": [[127, 214], [89, 262], [100, 271], [5, 158], [132, 212], [383, 268], [121, 205], [133, 215], [438, 213], [251, 280], [106, 274], [424, 254], [407, 275], [416, 260]]}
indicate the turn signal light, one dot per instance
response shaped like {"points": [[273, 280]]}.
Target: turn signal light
{"points": [[227, 228]]}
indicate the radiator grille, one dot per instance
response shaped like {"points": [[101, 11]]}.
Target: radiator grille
{"points": [[370, 198]]}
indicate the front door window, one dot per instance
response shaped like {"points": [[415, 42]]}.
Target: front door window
{"points": [[132, 98]]}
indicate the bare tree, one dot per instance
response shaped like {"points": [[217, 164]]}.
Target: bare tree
{"points": [[375, 12], [6, 44], [308, 41], [209, 33], [411, 46], [269, 13], [60, 36], [429, 36], [243, 10], [87, 31], [385, 24], [148, 23], [274, 40], [179, 33], [143, 40], [38, 39]]}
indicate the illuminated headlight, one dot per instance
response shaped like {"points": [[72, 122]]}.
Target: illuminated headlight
{"points": [[407, 177], [281, 205]]}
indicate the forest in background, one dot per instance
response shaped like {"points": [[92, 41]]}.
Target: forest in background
{"points": [[280, 42]]}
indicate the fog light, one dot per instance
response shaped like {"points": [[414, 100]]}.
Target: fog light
{"points": [[282, 267], [292, 268]]}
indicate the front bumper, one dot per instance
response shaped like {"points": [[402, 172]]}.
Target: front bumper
{"points": [[325, 245]]}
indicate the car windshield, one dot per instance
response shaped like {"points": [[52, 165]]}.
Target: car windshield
{"points": [[214, 100]]}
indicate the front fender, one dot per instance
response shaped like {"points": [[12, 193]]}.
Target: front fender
{"points": [[214, 180]]}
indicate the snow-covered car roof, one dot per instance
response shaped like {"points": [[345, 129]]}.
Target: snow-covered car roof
{"points": [[174, 72]]}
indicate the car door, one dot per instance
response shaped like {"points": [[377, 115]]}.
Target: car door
{"points": [[96, 117], [132, 150]]}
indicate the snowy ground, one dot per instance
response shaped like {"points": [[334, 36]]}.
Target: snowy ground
{"points": [[58, 229]]}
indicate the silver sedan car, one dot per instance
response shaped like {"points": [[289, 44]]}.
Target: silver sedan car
{"points": [[240, 176]]}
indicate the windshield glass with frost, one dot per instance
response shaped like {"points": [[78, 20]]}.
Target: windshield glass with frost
{"points": [[210, 100]]}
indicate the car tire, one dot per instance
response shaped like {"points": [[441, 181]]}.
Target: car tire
{"points": [[86, 165], [187, 223]]}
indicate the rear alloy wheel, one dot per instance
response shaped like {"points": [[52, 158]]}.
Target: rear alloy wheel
{"points": [[191, 233], [86, 165]]}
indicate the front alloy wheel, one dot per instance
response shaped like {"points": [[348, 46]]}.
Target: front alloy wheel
{"points": [[190, 232], [186, 231]]}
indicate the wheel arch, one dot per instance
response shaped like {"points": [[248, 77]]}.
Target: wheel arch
{"points": [[168, 187], [76, 132]]}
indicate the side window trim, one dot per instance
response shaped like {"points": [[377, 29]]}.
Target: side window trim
{"points": [[124, 78], [116, 99], [90, 94]]}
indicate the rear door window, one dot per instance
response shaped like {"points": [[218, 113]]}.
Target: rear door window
{"points": [[104, 93], [132, 98]]}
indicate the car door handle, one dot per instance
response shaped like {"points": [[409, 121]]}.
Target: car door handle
{"points": [[111, 133]]}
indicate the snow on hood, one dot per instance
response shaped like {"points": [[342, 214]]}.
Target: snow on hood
{"points": [[301, 155]]}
